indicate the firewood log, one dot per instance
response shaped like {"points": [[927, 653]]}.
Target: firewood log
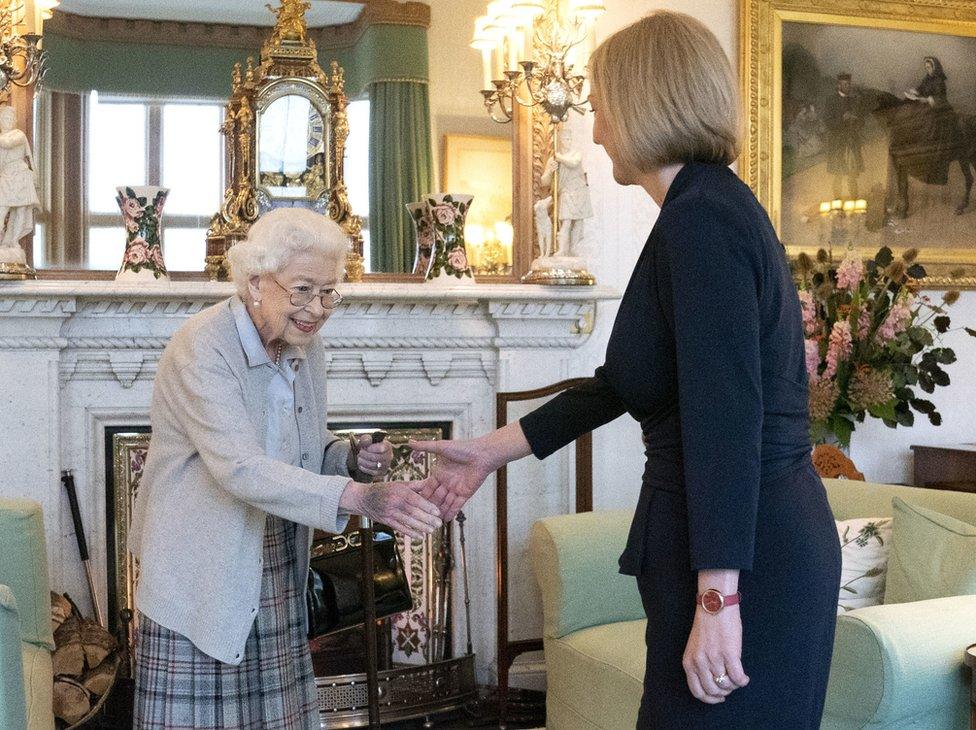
{"points": [[97, 642], [98, 680], [71, 700], [69, 656], [60, 610]]}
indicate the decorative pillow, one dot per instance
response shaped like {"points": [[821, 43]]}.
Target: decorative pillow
{"points": [[864, 544], [932, 555]]}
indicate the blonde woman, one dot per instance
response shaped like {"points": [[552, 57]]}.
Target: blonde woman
{"points": [[733, 543], [241, 468]]}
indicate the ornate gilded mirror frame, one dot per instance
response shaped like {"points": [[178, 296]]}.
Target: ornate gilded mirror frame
{"points": [[288, 63]]}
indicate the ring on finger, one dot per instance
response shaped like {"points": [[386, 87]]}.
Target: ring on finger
{"points": [[721, 680]]}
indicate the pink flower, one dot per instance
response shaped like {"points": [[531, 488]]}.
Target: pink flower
{"points": [[130, 225], [156, 254], [895, 323], [839, 347], [458, 259], [131, 208], [812, 348], [864, 324], [850, 271], [809, 312], [444, 213], [137, 253]]}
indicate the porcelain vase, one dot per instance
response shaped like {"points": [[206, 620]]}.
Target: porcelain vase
{"points": [[447, 212], [142, 211]]}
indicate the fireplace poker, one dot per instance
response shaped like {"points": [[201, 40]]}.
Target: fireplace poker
{"points": [[68, 480], [464, 572], [369, 606]]}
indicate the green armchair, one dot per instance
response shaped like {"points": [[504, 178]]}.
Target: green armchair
{"points": [[894, 665], [26, 640]]}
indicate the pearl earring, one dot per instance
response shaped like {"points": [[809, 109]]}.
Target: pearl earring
{"points": [[257, 302]]}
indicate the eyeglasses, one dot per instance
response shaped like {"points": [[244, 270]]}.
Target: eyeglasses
{"points": [[302, 296]]}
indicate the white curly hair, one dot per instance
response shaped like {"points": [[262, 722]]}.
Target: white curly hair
{"points": [[280, 234]]}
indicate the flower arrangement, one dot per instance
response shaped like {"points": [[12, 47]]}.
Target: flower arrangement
{"points": [[871, 339]]}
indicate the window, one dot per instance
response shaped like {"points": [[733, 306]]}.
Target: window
{"points": [[170, 143], [110, 141], [357, 166]]}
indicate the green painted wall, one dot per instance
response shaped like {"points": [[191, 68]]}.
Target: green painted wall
{"points": [[384, 52]]}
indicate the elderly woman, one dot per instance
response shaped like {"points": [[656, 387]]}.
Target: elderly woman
{"points": [[733, 543], [241, 467]]}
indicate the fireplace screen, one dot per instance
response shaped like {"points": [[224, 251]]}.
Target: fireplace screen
{"points": [[420, 636]]}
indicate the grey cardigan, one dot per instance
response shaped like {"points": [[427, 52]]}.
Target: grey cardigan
{"points": [[198, 517]]}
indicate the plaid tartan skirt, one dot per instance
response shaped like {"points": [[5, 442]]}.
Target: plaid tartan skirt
{"points": [[178, 686]]}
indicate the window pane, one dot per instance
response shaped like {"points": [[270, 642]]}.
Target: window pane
{"points": [[192, 158], [184, 248], [116, 151], [357, 157], [105, 247], [40, 245]]}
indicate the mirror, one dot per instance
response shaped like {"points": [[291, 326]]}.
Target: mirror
{"points": [[159, 124], [291, 149]]}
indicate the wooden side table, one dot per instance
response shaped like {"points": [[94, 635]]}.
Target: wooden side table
{"points": [[971, 663], [946, 467]]}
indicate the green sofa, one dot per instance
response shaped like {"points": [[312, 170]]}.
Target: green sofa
{"points": [[894, 666], [26, 641]]}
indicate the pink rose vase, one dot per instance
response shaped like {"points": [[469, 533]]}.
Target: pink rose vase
{"points": [[142, 211], [446, 213]]}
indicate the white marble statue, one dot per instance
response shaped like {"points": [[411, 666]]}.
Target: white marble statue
{"points": [[543, 224], [573, 193], [18, 196]]}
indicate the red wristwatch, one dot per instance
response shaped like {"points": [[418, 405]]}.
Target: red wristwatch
{"points": [[712, 601]]}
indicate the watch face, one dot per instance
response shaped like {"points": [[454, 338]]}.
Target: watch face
{"points": [[711, 601]]}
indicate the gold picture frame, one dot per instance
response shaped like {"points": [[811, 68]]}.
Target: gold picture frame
{"points": [[128, 448], [481, 165], [874, 25]]}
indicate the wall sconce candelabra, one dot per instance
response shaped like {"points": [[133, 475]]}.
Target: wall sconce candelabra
{"points": [[530, 50], [511, 34], [841, 222], [21, 57]]}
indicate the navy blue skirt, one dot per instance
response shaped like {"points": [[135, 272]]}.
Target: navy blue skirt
{"points": [[789, 611]]}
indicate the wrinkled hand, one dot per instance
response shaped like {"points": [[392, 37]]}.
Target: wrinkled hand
{"points": [[460, 469], [400, 505], [369, 459], [714, 649]]}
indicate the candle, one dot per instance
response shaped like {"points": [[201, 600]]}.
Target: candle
{"points": [[861, 205], [848, 206], [825, 207], [836, 204], [486, 68]]}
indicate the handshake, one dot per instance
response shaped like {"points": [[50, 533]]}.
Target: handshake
{"points": [[415, 508]]}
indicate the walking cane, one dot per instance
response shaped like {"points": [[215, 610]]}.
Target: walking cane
{"points": [[68, 480], [369, 606]]}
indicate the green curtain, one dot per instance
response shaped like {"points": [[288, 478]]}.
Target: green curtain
{"points": [[400, 169]]}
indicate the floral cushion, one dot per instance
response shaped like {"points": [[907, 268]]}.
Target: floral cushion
{"points": [[864, 546]]}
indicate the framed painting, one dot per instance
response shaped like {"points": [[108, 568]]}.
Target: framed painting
{"points": [[862, 127], [481, 165]]}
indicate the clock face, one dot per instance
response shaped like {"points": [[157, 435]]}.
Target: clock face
{"points": [[316, 132]]}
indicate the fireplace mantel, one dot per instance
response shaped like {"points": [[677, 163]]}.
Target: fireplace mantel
{"points": [[77, 357]]}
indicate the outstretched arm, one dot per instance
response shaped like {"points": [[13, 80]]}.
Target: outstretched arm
{"points": [[463, 466]]}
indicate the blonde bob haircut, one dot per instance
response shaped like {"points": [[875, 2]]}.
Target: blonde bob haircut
{"points": [[668, 93], [279, 235]]}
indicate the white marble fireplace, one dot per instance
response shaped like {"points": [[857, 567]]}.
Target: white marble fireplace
{"points": [[78, 357]]}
